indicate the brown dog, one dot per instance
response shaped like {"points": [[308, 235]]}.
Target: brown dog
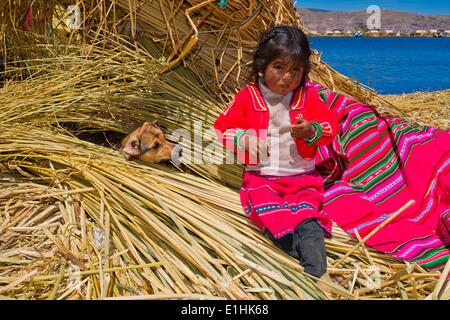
{"points": [[149, 144]]}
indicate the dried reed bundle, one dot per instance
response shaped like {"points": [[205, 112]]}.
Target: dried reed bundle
{"points": [[171, 235], [148, 215], [111, 86], [207, 247], [214, 43], [426, 107], [76, 84]]}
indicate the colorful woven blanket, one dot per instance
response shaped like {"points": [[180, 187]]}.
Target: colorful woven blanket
{"points": [[375, 166]]}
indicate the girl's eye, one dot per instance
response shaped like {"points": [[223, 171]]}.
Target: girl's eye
{"points": [[278, 67], [156, 145]]}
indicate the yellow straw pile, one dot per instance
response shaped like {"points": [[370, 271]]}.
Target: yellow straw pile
{"points": [[78, 222]]}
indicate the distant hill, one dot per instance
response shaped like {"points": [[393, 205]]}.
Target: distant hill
{"points": [[405, 22]]}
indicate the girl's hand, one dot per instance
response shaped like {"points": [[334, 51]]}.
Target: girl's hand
{"points": [[303, 129], [255, 146]]}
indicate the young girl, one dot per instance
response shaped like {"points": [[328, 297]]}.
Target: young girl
{"points": [[275, 126]]}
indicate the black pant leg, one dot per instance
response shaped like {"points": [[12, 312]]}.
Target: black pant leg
{"points": [[310, 243], [286, 243]]}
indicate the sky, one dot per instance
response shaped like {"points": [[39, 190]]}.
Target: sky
{"points": [[417, 6]]}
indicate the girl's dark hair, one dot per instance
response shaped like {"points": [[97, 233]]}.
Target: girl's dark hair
{"points": [[281, 41]]}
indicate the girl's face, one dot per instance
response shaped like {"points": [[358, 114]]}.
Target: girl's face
{"points": [[283, 75]]}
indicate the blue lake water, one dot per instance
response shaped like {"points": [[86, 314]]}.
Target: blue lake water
{"points": [[389, 65]]}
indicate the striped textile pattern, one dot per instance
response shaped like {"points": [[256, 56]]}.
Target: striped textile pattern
{"points": [[374, 166]]}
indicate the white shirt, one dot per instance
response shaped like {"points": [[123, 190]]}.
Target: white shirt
{"points": [[284, 158]]}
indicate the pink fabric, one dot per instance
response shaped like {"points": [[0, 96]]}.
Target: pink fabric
{"points": [[29, 20], [279, 204], [375, 165]]}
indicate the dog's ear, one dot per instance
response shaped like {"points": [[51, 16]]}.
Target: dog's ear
{"points": [[130, 148], [156, 124], [145, 125]]}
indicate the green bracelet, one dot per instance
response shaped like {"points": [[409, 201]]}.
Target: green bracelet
{"points": [[317, 136], [236, 138]]}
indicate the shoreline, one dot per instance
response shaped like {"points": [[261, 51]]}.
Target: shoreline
{"points": [[438, 97], [432, 95], [431, 108]]}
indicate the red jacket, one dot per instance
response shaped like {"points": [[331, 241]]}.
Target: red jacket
{"points": [[249, 111]]}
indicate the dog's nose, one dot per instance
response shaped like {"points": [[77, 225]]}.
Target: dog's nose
{"points": [[176, 154]]}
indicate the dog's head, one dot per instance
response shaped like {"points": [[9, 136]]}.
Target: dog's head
{"points": [[149, 144]]}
